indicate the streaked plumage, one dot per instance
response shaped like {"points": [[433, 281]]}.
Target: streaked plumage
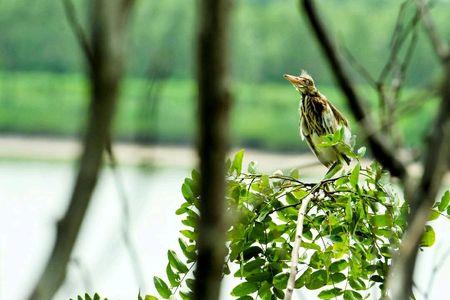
{"points": [[319, 117]]}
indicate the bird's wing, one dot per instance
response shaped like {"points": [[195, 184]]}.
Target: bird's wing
{"points": [[341, 121], [338, 115], [312, 146]]}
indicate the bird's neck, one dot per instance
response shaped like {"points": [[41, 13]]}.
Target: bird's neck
{"points": [[308, 94]]}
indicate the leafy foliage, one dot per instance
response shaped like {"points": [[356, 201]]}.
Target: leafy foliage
{"points": [[353, 224], [87, 297]]}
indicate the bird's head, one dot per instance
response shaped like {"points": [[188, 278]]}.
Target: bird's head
{"points": [[302, 83]]}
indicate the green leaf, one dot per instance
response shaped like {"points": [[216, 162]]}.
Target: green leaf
{"points": [[183, 208], [254, 265], [337, 277], [376, 278], [252, 251], [186, 295], [338, 266], [354, 176], [162, 287], [150, 297], [352, 295], [278, 293], [444, 201], [176, 262], [187, 249], [330, 294], [187, 192], [237, 162], [259, 276], [263, 214], [295, 173], [348, 211], [252, 167], [301, 281], [357, 284], [428, 237], [245, 298], [312, 246], [173, 278], [190, 283], [244, 288], [382, 220], [317, 280], [280, 281], [434, 214], [333, 170], [189, 234], [361, 151]]}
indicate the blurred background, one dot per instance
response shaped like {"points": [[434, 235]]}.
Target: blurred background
{"points": [[43, 106]]}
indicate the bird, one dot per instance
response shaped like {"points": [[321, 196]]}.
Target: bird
{"points": [[319, 117]]}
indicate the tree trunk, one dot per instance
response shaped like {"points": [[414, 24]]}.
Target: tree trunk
{"points": [[213, 106]]}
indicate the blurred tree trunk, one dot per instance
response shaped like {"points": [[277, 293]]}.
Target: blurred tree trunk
{"points": [[105, 61], [213, 106]]}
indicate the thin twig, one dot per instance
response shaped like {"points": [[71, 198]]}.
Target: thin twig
{"points": [[126, 220], [298, 239], [437, 266], [359, 67], [441, 48], [86, 279], [71, 16]]}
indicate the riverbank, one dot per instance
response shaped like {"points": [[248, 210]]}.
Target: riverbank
{"points": [[128, 154]]}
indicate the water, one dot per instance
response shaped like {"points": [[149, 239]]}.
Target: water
{"points": [[33, 196]]}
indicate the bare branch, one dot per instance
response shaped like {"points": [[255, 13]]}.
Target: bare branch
{"points": [[423, 197], [398, 39], [71, 16], [214, 101], [436, 268], [86, 278], [381, 151], [441, 48], [359, 67], [126, 219], [400, 76], [106, 68]]}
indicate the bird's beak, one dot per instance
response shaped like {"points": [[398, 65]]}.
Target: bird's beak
{"points": [[292, 79]]}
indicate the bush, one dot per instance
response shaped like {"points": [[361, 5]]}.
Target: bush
{"points": [[352, 226]]}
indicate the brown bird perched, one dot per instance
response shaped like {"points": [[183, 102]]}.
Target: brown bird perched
{"points": [[318, 117]]}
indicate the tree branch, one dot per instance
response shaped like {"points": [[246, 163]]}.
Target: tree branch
{"points": [[435, 166], [213, 105], [126, 220], [440, 47], [106, 68], [77, 29], [297, 242], [380, 150]]}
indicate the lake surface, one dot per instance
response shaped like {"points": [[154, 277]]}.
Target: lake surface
{"points": [[34, 195]]}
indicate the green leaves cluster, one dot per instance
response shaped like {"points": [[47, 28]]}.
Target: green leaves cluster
{"points": [[354, 222], [88, 297]]}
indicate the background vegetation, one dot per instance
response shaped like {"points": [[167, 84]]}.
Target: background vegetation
{"points": [[40, 62]]}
